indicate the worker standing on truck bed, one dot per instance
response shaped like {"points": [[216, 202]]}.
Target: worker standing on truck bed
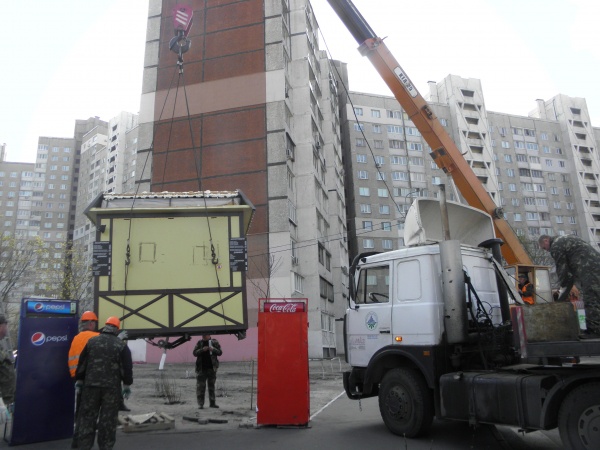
{"points": [[575, 259], [526, 289]]}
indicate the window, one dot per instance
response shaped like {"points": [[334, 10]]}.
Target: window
{"points": [[382, 193], [399, 160], [548, 163], [512, 187], [517, 131], [534, 159], [386, 226], [416, 146], [505, 144], [380, 176], [386, 244], [515, 202], [375, 113], [373, 286], [378, 143], [519, 144], [545, 149], [361, 158], [567, 192], [393, 114], [544, 136], [359, 127], [414, 161], [364, 191], [411, 131], [517, 217], [508, 158], [360, 142], [384, 209], [394, 143], [365, 208], [394, 129], [363, 175], [400, 176], [358, 111], [559, 219], [528, 132], [521, 158], [443, 121], [298, 283], [379, 160], [532, 146], [377, 129], [367, 225], [532, 215], [561, 164], [368, 243]]}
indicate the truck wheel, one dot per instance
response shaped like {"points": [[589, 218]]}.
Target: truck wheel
{"points": [[405, 403], [579, 418]]}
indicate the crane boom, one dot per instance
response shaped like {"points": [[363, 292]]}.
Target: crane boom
{"points": [[444, 151]]}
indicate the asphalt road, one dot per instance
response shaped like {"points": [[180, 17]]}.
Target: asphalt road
{"points": [[343, 424]]}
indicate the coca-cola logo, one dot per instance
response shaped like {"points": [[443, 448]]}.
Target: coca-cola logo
{"points": [[287, 307]]}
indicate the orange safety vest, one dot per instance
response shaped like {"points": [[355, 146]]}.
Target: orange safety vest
{"points": [[77, 346], [527, 298]]}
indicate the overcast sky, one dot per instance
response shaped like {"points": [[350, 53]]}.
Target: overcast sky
{"points": [[71, 59]]}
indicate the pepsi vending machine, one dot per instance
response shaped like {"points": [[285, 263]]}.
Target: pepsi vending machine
{"points": [[44, 398]]}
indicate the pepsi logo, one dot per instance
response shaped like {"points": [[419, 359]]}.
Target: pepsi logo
{"points": [[38, 338], [38, 307]]}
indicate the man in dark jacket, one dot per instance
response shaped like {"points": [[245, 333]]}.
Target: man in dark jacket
{"points": [[104, 363], [206, 352], [576, 260]]}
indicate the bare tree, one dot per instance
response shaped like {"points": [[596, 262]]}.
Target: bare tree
{"points": [[69, 279], [20, 260], [265, 269], [539, 256]]}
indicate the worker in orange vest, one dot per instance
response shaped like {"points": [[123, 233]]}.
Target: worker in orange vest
{"points": [[526, 289], [88, 326]]}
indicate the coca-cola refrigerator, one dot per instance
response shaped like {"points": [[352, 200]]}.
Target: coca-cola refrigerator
{"points": [[283, 396]]}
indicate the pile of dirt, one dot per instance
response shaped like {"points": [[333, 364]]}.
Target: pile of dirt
{"points": [[173, 391]]}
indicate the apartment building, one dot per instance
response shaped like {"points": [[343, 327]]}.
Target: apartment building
{"points": [[263, 109], [541, 169]]}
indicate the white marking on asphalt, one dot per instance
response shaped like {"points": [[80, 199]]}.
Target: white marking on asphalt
{"points": [[321, 410]]}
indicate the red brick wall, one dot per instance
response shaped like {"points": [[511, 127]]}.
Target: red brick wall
{"points": [[226, 148]]}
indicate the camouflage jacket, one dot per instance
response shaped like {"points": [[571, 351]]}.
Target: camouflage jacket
{"points": [[216, 351], [575, 259], [105, 362]]}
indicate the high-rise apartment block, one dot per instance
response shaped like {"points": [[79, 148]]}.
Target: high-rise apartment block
{"points": [[261, 115], [541, 169]]}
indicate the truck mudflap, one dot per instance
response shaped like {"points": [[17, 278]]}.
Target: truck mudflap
{"points": [[354, 386]]}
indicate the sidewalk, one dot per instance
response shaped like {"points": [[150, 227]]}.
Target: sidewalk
{"points": [[235, 390]]}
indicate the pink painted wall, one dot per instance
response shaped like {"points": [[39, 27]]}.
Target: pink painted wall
{"points": [[233, 350]]}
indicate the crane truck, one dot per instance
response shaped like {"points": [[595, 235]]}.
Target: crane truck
{"points": [[436, 329]]}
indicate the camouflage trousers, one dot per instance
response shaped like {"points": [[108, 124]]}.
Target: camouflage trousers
{"points": [[591, 300], [7, 382], [99, 409], [203, 378]]}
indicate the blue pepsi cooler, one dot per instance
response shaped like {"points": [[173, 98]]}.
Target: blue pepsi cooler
{"points": [[44, 399]]}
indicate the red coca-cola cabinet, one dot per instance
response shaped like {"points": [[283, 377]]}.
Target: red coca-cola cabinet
{"points": [[283, 396]]}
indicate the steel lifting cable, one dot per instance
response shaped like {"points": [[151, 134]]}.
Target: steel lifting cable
{"points": [[135, 195], [198, 166]]}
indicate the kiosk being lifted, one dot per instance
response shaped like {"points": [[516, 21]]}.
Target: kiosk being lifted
{"points": [[172, 263]]}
